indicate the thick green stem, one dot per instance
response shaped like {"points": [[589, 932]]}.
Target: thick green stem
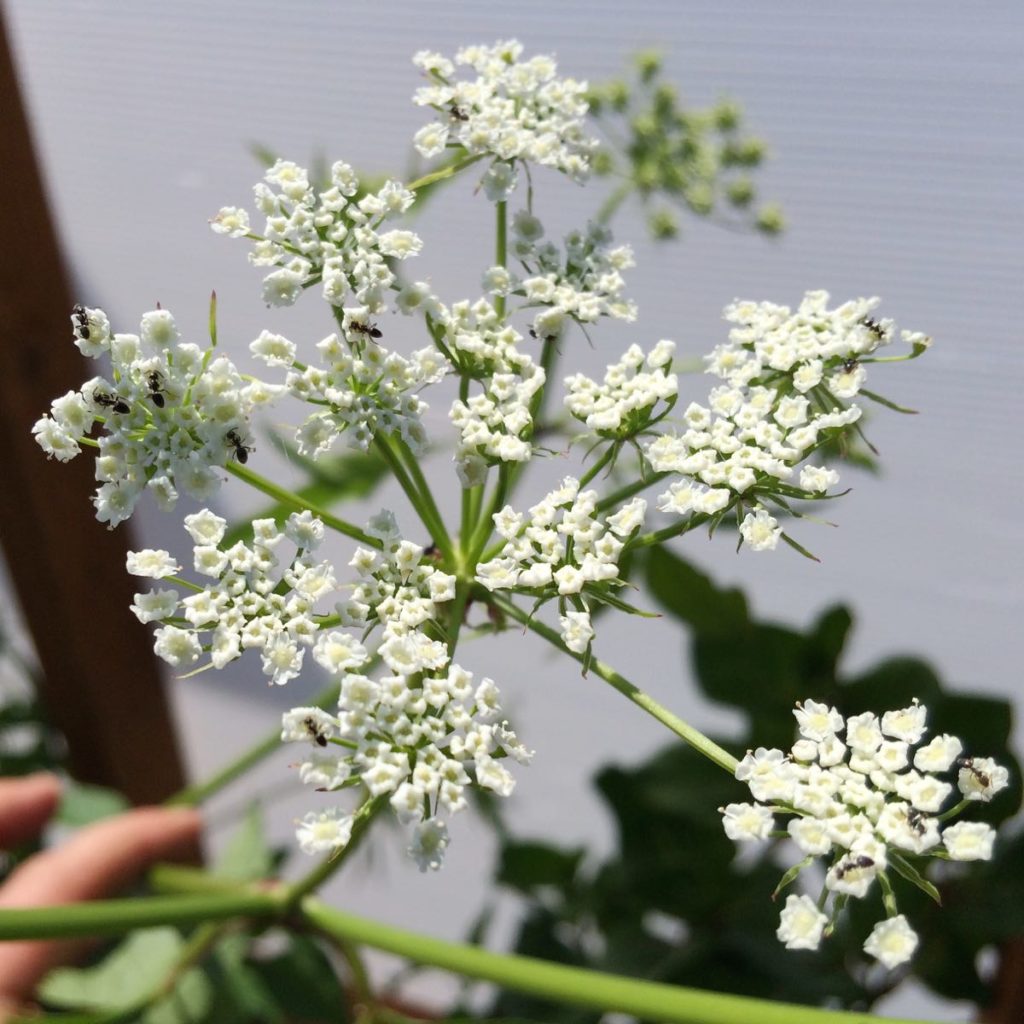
{"points": [[115, 917], [286, 497], [606, 992], [683, 730]]}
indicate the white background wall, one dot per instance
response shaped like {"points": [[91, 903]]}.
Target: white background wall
{"points": [[897, 151]]}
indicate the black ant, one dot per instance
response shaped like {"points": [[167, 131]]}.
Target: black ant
{"points": [[547, 337], [155, 383], [915, 819], [855, 864], [982, 777], [370, 330], [240, 450], [310, 724], [850, 364], [81, 317], [107, 401], [458, 113], [873, 326]]}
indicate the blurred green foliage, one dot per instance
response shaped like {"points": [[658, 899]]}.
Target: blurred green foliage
{"points": [[676, 158]]}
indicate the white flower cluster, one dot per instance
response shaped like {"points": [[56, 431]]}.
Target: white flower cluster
{"points": [[362, 389], [623, 406], [563, 549], [330, 237], [513, 110], [496, 424], [421, 734], [397, 589], [582, 284], [171, 414], [864, 802], [253, 603], [786, 376]]}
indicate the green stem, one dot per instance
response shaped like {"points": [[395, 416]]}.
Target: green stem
{"points": [[197, 793], [647, 1000], [501, 249], [458, 613], [434, 526], [611, 205], [597, 466], [683, 730], [624, 493], [115, 917], [286, 497], [444, 172], [413, 465], [311, 882], [485, 526], [646, 540]]}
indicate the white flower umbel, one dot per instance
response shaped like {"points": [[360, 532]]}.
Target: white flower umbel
{"points": [[363, 390], [787, 378], [860, 805], [581, 282], [626, 403], [562, 549], [329, 237], [171, 414], [513, 110], [255, 600], [419, 736], [495, 424]]}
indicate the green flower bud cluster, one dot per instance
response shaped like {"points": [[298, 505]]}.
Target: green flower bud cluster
{"points": [[676, 158]]}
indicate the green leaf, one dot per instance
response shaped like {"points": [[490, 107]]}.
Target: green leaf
{"points": [[187, 1004], [906, 870], [82, 804], [691, 596], [525, 866], [304, 983], [247, 857], [122, 979], [790, 876]]}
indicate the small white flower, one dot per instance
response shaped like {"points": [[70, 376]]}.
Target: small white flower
{"points": [[747, 821], [907, 724], [429, 842], [760, 531], [980, 778], [892, 942], [324, 832], [969, 840], [801, 923], [154, 563]]}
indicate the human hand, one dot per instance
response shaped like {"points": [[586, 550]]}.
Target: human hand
{"points": [[96, 861]]}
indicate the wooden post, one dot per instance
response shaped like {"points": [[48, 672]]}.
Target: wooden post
{"points": [[101, 681]]}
